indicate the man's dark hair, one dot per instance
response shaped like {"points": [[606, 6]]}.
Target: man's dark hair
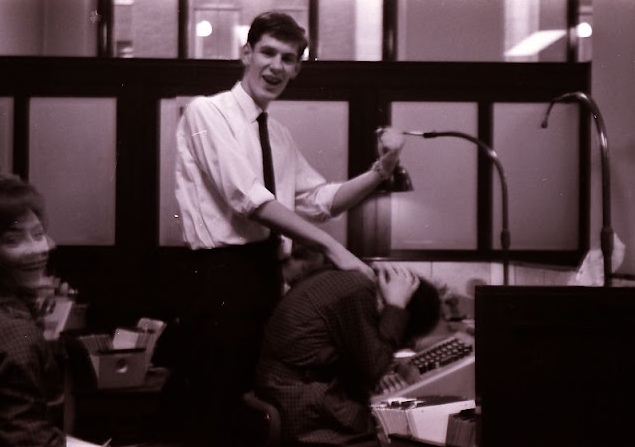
{"points": [[424, 306], [16, 198], [424, 309], [280, 26], [302, 252]]}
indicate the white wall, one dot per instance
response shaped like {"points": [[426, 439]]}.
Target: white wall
{"points": [[21, 24], [614, 91], [48, 28], [6, 134], [447, 31]]}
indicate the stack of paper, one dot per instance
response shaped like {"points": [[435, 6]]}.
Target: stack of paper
{"points": [[424, 418], [153, 328], [429, 423], [392, 417], [72, 441], [124, 338], [462, 429], [55, 321], [144, 335]]}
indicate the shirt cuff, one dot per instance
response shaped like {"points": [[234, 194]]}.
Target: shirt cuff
{"points": [[257, 196], [316, 205]]}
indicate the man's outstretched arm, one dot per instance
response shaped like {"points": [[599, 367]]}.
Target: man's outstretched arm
{"points": [[390, 142], [276, 216]]}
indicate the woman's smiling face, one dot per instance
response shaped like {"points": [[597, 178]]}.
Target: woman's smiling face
{"points": [[269, 66], [24, 249]]}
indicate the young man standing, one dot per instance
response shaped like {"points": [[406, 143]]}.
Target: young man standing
{"points": [[238, 215]]}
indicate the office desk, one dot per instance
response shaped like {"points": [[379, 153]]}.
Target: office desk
{"points": [[404, 441], [127, 415]]}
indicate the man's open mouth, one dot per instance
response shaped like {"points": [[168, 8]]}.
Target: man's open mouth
{"points": [[272, 80]]}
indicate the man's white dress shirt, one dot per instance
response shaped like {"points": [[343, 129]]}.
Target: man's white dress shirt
{"points": [[219, 175]]}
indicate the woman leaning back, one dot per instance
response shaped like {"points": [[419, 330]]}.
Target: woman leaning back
{"points": [[29, 378]]}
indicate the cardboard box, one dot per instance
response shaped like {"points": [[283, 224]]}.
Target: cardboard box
{"points": [[119, 368]]}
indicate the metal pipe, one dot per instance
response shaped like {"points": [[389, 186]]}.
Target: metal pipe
{"points": [[606, 236], [491, 154]]}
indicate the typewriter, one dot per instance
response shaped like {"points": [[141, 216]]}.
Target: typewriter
{"points": [[446, 367]]}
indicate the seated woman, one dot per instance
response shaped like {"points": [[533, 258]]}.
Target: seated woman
{"points": [[29, 378], [330, 340]]}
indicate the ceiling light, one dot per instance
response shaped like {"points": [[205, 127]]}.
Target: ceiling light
{"points": [[203, 28], [584, 29], [535, 43]]}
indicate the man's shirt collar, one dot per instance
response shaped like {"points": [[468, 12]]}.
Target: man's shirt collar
{"points": [[246, 102]]}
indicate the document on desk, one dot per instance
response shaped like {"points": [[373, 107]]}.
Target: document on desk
{"points": [[55, 322], [72, 441]]}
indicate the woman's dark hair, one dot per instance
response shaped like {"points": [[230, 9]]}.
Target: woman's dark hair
{"points": [[16, 198], [424, 309], [280, 26]]}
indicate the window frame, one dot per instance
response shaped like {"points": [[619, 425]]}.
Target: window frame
{"points": [[137, 259]]}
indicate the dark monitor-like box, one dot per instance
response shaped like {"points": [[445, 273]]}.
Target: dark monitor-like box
{"points": [[555, 366]]}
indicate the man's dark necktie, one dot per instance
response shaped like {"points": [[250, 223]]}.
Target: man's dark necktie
{"points": [[267, 169], [267, 162]]}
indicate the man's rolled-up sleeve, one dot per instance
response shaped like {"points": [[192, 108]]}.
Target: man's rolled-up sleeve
{"points": [[314, 196], [217, 154]]}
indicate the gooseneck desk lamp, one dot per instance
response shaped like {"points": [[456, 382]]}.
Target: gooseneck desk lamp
{"points": [[505, 235], [606, 236]]}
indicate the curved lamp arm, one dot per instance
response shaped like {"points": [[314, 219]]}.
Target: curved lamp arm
{"points": [[606, 237], [491, 154]]}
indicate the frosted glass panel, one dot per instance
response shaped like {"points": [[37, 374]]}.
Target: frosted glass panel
{"points": [[169, 226], [6, 135], [145, 28], [218, 28], [441, 211], [541, 166], [224, 42], [48, 28], [72, 161], [483, 30], [318, 127]]}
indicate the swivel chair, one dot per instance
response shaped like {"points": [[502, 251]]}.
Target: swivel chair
{"points": [[263, 421]]}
